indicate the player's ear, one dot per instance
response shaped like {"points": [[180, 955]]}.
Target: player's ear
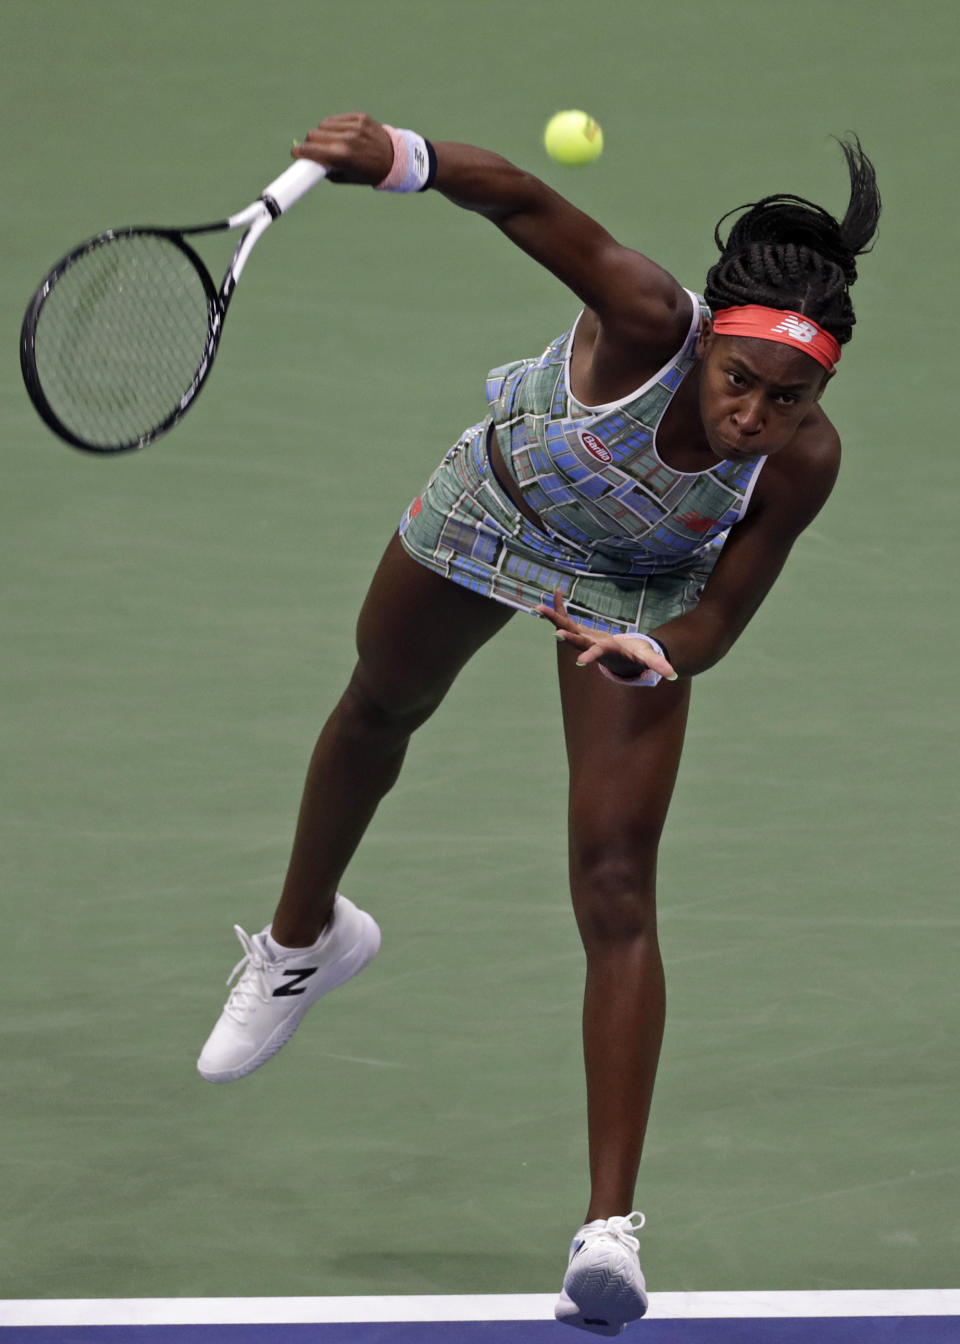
{"points": [[827, 375]]}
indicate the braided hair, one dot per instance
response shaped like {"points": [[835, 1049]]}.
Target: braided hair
{"points": [[786, 252]]}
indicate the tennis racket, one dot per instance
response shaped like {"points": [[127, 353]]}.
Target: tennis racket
{"points": [[122, 333]]}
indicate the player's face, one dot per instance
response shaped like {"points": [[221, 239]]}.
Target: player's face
{"points": [[754, 394]]}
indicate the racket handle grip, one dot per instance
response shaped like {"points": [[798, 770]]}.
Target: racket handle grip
{"points": [[287, 189]]}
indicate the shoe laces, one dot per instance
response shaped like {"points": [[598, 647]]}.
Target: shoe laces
{"points": [[621, 1227], [252, 984]]}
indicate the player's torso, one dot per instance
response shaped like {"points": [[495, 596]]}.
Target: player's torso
{"points": [[593, 474]]}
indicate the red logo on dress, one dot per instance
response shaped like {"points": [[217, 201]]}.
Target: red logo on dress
{"points": [[696, 522], [595, 447], [416, 506]]}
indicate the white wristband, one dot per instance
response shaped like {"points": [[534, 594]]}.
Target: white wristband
{"points": [[645, 678], [414, 162]]}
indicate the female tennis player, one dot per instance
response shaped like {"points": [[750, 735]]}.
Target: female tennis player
{"points": [[639, 485]]}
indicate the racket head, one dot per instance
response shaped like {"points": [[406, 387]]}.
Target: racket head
{"points": [[119, 338]]}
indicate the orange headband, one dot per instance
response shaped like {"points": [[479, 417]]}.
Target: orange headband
{"points": [[778, 324]]}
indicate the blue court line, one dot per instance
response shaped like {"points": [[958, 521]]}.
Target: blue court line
{"points": [[753, 1330]]}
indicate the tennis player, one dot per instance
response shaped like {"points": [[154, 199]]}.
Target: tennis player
{"points": [[639, 484]]}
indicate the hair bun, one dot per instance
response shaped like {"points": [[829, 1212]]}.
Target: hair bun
{"points": [[787, 252], [783, 221]]}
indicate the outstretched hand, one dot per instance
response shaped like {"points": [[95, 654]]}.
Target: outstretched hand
{"points": [[624, 655], [352, 145]]}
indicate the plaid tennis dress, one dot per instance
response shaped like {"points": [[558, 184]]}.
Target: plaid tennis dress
{"points": [[629, 540]]}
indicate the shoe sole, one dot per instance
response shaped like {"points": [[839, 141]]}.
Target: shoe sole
{"points": [[338, 973], [598, 1300]]}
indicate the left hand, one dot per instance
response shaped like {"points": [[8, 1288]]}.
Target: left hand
{"points": [[625, 655]]}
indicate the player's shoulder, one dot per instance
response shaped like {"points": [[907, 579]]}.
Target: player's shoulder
{"points": [[659, 315], [800, 478], [649, 317], [816, 448]]}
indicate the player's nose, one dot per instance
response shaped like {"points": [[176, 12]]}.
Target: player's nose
{"points": [[747, 416]]}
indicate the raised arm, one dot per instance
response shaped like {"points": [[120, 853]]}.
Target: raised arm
{"points": [[636, 301]]}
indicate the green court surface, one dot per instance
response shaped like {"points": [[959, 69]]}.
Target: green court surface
{"points": [[176, 624]]}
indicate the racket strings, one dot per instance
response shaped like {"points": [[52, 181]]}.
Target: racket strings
{"points": [[122, 338]]}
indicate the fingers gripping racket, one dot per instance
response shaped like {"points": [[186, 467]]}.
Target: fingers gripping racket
{"points": [[121, 335]]}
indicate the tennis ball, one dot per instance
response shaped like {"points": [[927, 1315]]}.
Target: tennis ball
{"points": [[573, 137]]}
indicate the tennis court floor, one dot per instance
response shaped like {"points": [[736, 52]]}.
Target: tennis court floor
{"points": [[912, 1317]]}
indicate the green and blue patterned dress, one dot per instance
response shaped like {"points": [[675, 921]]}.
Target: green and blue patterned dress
{"points": [[629, 540]]}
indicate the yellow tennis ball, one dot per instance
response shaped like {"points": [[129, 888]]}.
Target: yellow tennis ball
{"points": [[573, 137]]}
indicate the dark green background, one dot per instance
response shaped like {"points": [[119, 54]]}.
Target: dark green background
{"points": [[176, 624]]}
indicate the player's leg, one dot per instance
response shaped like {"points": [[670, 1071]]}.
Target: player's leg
{"points": [[416, 631], [623, 747]]}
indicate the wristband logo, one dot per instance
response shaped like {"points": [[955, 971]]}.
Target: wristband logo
{"points": [[594, 446]]}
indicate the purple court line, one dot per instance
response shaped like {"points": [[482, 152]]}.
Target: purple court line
{"points": [[754, 1330]]}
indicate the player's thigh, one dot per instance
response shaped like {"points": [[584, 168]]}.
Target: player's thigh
{"points": [[623, 748], [416, 630]]}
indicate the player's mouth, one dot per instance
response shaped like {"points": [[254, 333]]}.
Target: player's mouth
{"points": [[733, 450]]}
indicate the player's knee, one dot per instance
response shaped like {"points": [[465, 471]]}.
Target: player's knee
{"points": [[614, 895], [370, 717]]}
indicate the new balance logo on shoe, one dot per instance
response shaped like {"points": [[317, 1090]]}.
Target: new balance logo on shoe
{"points": [[294, 986], [271, 997]]}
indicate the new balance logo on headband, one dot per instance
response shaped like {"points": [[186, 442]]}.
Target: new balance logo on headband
{"points": [[779, 324], [797, 328]]}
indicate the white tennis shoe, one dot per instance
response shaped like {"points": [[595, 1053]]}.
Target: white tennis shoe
{"points": [[271, 998], [604, 1288]]}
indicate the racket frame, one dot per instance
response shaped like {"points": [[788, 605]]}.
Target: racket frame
{"points": [[273, 201]]}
